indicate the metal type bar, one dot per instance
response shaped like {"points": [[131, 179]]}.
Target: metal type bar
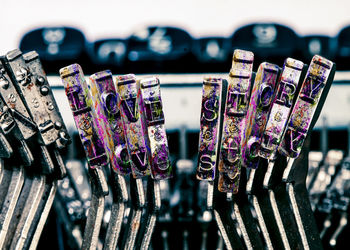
{"points": [[235, 110], [161, 168], [259, 109], [209, 129], [304, 115], [105, 102], [280, 108], [152, 107], [89, 128], [130, 105], [120, 198]]}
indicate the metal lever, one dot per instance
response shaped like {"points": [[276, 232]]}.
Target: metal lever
{"points": [[34, 186], [241, 82], [207, 159], [312, 96], [105, 102], [135, 130], [85, 119], [267, 140], [161, 169]]}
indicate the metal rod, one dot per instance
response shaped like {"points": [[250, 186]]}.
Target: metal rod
{"points": [[138, 206], [120, 198]]}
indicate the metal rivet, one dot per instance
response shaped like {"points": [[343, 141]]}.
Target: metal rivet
{"points": [[50, 106], [4, 83], [12, 98], [58, 125], [44, 90], [40, 80]]}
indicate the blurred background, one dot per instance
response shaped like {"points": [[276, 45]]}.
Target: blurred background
{"points": [[181, 42]]}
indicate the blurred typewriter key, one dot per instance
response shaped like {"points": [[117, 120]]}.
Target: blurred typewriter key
{"points": [[105, 102], [343, 48], [158, 49], [213, 53], [81, 104], [110, 53], [234, 119], [317, 45], [56, 46], [259, 109], [268, 41], [209, 128]]}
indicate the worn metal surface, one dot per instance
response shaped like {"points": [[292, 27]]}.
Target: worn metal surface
{"points": [[258, 112], [209, 129], [81, 104], [152, 112], [236, 108], [134, 128]]}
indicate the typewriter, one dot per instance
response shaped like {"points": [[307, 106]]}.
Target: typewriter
{"points": [[236, 142]]}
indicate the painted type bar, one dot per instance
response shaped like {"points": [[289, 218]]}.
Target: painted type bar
{"points": [[80, 102], [234, 120], [305, 106], [209, 128], [154, 117], [259, 108], [105, 101], [281, 108], [133, 125]]}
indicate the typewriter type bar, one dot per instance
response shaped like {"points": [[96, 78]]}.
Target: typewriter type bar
{"points": [[161, 169], [104, 99], [305, 114], [41, 85], [268, 222], [234, 120], [305, 106], [209, 128], [281, 108], [80, 102], [133, 126], [86, 121], [6, 123], [259, 108], [16, 123], [135, 130], [154, 118]]}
